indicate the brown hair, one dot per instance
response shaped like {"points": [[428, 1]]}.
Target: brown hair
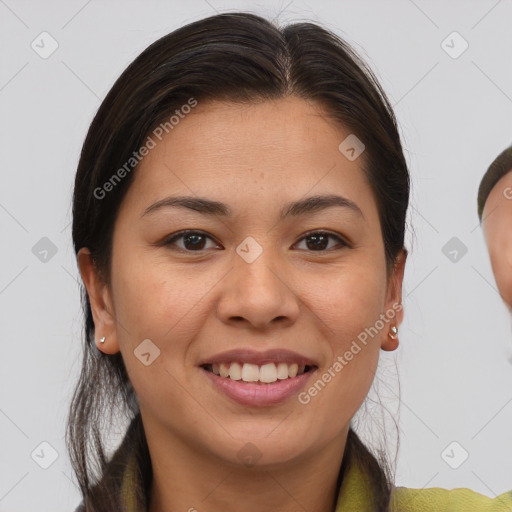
{"points": [[501, 165], [236, 57]]}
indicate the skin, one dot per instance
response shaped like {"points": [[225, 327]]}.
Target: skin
{"points": [[192, 305], [497, 227]]}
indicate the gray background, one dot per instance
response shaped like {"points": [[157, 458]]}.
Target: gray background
{"points": [[454, 360]]}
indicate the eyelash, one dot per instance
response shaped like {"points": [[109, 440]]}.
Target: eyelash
{"points": [[170, 240]]}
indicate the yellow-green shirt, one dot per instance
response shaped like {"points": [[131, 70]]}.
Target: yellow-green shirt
{"points": [[353, 495]]}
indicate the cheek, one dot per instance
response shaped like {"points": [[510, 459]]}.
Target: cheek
{"points": [[354, 344], [347, 301], [350, 304], [151, 304], [502, 271], [154, 302]]}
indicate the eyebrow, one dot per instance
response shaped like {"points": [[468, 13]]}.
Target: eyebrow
{"points": [[294, 209]]}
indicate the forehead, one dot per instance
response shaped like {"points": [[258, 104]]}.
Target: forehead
{"points": [[242, 150], [272, 130]]}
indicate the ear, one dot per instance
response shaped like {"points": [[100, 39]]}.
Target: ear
{"points": [[101, 303], [394, 299]]}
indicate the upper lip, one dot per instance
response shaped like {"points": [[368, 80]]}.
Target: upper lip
{"points": [[259, 358]]}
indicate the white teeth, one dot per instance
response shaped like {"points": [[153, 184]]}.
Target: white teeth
{"points": [[250, 372], [266, 373], [282, 371], [224, 370], [235, 371], [293, 369]]}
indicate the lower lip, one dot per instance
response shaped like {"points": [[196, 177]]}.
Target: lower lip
{"points": [[259, 394]]}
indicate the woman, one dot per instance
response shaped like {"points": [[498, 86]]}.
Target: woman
{"points": [[495, 212], [239, 217]]}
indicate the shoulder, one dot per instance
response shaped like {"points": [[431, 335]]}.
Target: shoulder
{"points": [[436, 499]]}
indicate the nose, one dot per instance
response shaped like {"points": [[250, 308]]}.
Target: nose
{"points": [[258, 294]]}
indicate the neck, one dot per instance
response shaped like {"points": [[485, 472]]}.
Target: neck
{"points": [[187, 479]]}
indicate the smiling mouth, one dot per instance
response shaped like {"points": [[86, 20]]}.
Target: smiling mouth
{"points": [[258, 374]]}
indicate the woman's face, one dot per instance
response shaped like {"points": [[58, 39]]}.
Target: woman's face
{"points": [[252, 278], [496, 223]]}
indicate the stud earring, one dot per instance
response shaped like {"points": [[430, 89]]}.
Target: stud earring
{"points": [[393, 332], [102, 340]]}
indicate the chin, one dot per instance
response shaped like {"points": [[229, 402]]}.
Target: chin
{"points": [[264, 454]]}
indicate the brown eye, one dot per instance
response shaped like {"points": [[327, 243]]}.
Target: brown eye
{"points": [[195, 241], [319, 241], [192, 240]]}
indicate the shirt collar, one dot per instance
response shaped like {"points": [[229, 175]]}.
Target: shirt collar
{"points": [[353, 493]]}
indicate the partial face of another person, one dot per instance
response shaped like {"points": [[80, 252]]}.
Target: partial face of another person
{"points": [[250, 275], [497, 226]]}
